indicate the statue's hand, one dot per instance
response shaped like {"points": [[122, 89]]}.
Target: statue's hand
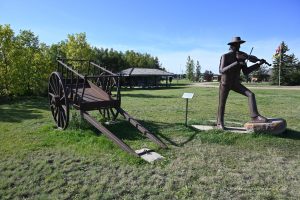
{"points": [[240, 57], [262, 61], [242, 63]]}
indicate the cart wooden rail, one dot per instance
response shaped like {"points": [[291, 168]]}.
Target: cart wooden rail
{"points": [[94, 91]]}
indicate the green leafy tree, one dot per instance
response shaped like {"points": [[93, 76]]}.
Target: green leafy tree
{"points": [[6, 58], [58, 51], [138, 60], [77, 47], [43, 63], [190, 66], [116, 61], [25, 63], [25, 66], [208, 76], [287, 65]]}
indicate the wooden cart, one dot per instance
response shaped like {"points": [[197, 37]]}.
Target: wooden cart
{"points": [[67, 87]]}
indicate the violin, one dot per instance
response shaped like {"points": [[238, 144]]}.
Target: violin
{"points": [[244, 56]]}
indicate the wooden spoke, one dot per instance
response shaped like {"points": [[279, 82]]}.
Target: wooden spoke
{"points": [[109, 113], [59, 103], [56, 113], [51, 87], [51, 94]]}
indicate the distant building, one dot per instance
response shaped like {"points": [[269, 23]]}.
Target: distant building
{"points": [[145, 77], [262, 77]]}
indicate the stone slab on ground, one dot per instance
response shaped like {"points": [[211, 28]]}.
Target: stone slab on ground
{"points": [[148, 155], [231, 129], [275, 126], [203, 127]]}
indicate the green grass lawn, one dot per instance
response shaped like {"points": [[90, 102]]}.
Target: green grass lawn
{"points": [[39, 162]]}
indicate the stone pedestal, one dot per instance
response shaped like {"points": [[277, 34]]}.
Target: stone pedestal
{"points": [[274, 126]]}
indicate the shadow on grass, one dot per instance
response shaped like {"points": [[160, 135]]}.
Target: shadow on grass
{"points": [[125, 131], [21, 109], [156, 127], [175, 86], [121, 128], [18, 115], [290, 134], [150, 96]]}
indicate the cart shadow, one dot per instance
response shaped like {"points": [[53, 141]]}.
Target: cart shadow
{"points": [[125, 131], [155, 128]]}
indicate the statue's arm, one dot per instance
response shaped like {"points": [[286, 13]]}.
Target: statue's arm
{"points": [[247, 70], [224, 68]]}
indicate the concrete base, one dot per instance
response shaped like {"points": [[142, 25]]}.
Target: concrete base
{"points": [[274, 126], [231, 129], [148, 155]]}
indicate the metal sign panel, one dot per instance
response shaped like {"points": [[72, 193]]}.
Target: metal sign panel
{"points": [[187, 95]]}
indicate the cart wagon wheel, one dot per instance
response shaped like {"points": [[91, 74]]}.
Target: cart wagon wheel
{"points": [[106, 84], [58, 100]]}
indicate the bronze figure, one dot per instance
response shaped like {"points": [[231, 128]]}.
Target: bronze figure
{"points": [[231, 65]]}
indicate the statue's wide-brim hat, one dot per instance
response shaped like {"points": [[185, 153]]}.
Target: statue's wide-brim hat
{"points": [[236, 40]]}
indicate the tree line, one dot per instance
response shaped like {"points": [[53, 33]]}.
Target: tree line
{"points": [[193, 71], [26, 63]]}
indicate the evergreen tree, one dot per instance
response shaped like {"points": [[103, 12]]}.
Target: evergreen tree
{"points": [[198, 71], [261, 74], [286, 66], [190, 66]]}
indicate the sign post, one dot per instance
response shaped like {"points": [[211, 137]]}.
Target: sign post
{"points": [[187, 96]]}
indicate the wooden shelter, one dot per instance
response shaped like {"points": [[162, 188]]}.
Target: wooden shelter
{"points": [[145, 77]]}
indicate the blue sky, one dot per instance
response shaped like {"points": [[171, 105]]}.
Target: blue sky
{"points": [[172, 30]]}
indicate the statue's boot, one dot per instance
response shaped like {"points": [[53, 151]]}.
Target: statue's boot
{"points": [[220, 125], [259, 119]]}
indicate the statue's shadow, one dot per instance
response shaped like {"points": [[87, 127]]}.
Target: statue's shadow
{"points": [[290, 134]]}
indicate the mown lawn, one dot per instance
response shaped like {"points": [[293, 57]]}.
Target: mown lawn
{"points": [[39, 162]]}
